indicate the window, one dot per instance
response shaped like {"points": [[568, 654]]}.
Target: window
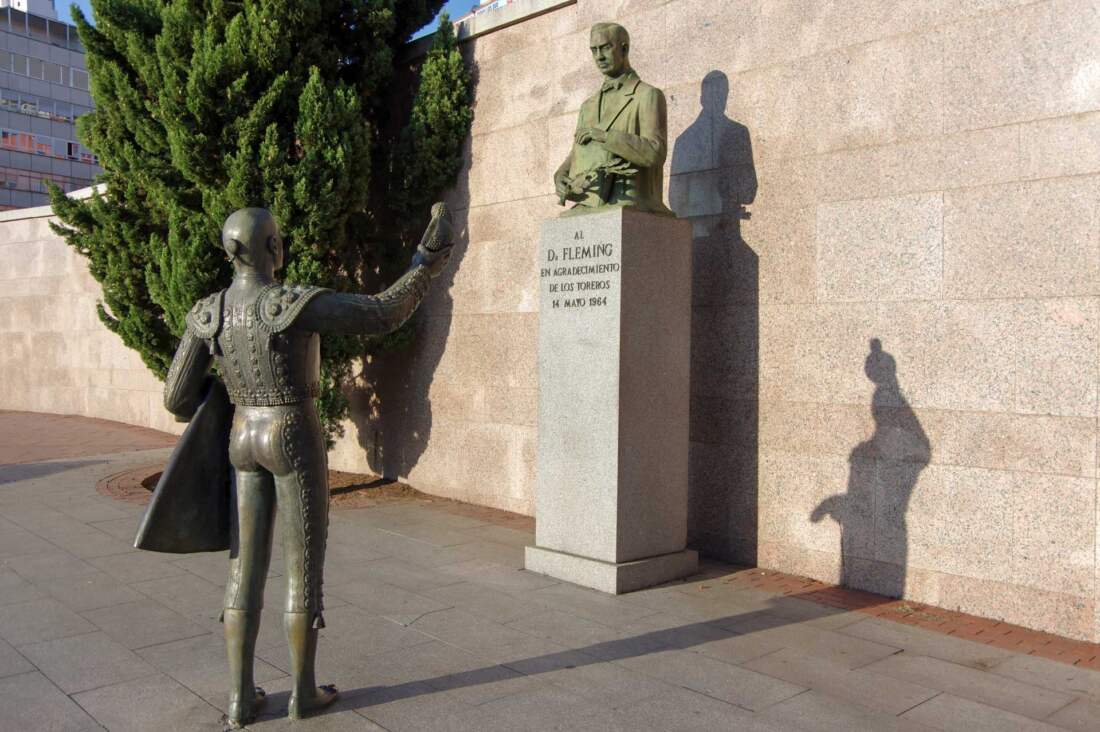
{"points": [[35, 68], [63, 110], [19, 64], [45, 145], [18, 21], [37, 27], [23, 141], [55, 73], [79, 79], [59, 34], [5, 61]]}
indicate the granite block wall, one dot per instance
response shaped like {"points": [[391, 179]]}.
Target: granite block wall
{"points": [[895, 323], [896, 307], [55, 355]]}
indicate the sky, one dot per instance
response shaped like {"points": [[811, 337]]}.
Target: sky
{"points": [[456, 8], [64, 5]]}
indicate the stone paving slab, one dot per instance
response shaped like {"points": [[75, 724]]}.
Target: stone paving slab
{"points": [[427, 636], [874, 691], [15, 590], [32, 702], [955, 714], [736, 685], [83, 662], [1051, 675], [40, 620], [199, 665], [817, 710], [689, 711], [12, 662], [980, 686], [152, 702], [143, 623], [935, 645], [1081, 716]]}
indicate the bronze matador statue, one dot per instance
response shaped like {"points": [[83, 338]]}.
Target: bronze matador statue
{"points": [[264, 338]]}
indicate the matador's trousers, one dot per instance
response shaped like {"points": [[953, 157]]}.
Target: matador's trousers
{"points": [[279, 460]]}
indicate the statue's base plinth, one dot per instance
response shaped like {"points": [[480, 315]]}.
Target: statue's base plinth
{"points": [[614, 378], [614, 579]]}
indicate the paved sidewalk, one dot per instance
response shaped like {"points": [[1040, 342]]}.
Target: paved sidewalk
{"points": [[432, 625], [27, 437]]}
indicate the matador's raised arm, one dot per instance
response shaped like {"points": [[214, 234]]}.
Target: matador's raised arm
{"points": [[348, 313]]}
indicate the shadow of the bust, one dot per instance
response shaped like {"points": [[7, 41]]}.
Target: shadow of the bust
{"points": [[713, 180]]}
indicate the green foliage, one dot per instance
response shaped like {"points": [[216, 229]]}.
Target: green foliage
{"points": [[207, 106], [431, 145]]}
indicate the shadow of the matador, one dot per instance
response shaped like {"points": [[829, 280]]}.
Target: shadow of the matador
{"points": [[760, 616], [883, 472]]}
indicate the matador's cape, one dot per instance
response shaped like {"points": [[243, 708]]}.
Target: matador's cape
{"points": [[190, 508]]}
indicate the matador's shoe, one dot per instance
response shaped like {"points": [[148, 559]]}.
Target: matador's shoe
{"points": [[242, 712], [322, 697]]}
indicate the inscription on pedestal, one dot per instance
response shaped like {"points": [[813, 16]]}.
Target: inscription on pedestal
{"points": [[580, 275]]}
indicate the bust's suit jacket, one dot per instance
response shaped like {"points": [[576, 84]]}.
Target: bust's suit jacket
{"points": [[634, 116]]}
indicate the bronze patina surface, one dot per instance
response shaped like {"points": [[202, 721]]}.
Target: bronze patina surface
{"points": [[265, 339], [621, 141]]}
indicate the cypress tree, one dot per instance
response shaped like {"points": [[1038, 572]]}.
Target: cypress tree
{"points": [[206, 106]]}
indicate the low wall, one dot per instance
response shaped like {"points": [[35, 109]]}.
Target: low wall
{"points": [[897, 268], [55, 355]]}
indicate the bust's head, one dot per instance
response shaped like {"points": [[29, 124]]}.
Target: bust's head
{"points": [[610, 46], [251, 239]]}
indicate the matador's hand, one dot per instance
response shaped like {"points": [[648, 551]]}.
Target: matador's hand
{"points": [[435, 246]]}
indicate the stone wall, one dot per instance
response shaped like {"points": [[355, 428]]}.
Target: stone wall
{"points": [[896, 313], [55, 355], [895, 323]]}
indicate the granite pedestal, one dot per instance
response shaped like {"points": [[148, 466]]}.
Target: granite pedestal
{"points": [[614, 349]]}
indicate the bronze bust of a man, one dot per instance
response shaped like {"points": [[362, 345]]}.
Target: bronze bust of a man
{"points": [[621, 142], [264, 338]]}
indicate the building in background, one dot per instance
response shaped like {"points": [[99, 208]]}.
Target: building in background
{"points": [[43, 89], [478, 8]]}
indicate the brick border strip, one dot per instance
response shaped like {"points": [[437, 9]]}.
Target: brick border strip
{"points": [[495, 516], [929, 617]]}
